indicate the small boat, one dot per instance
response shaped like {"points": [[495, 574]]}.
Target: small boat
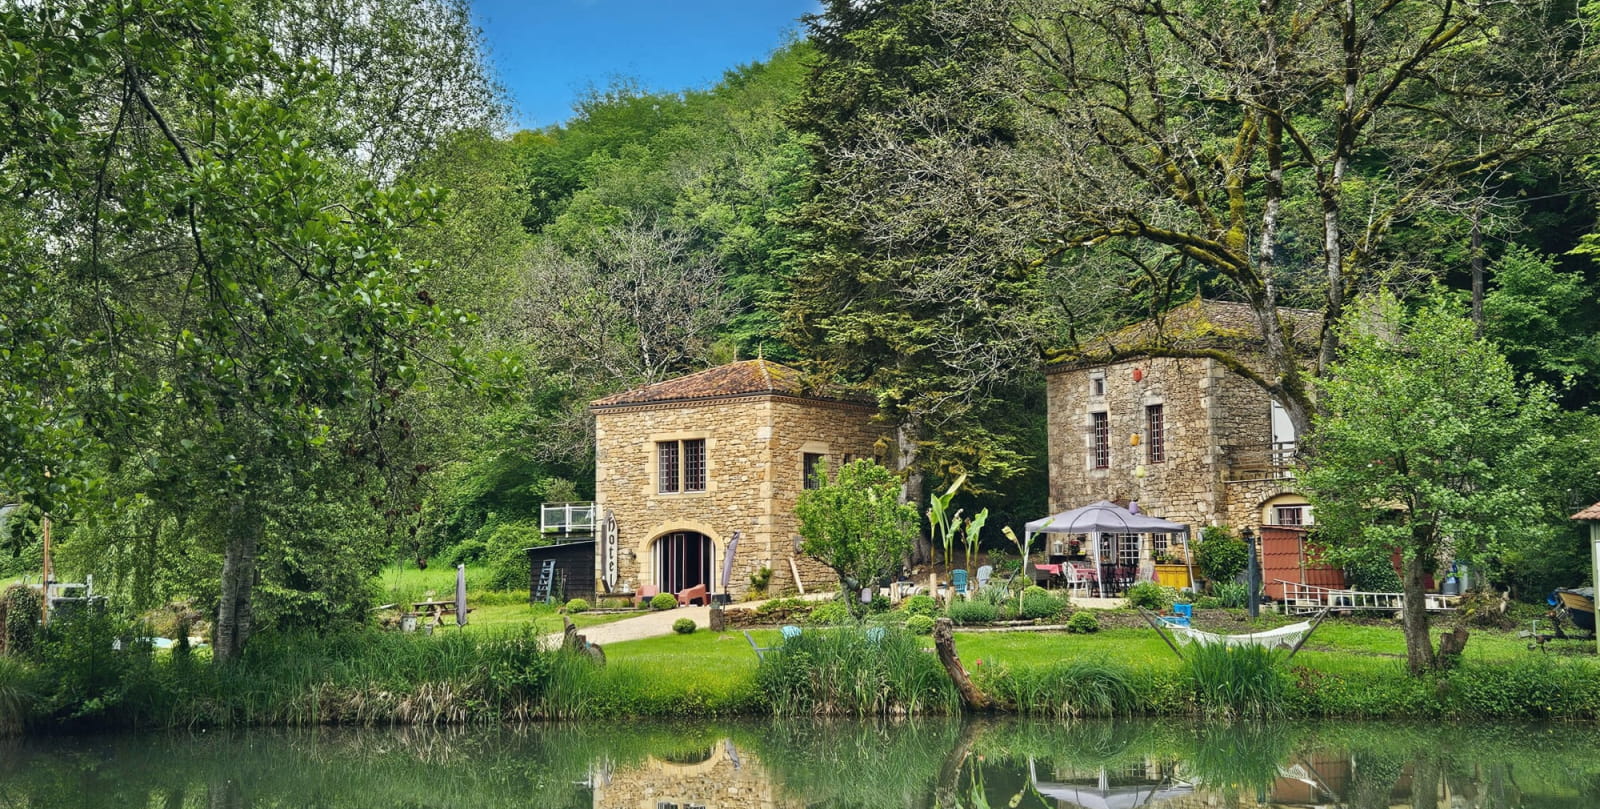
{"points": [[1578, 603]]}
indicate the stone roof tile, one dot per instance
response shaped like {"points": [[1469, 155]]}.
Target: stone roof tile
{"points": [[1200, 323], [743, 378], [1590, 513]]}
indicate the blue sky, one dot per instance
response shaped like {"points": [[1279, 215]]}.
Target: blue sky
{"points": [[548, 52]]}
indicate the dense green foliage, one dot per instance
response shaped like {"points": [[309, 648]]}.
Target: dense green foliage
{"points": [[857, 525], [1220, 555]]}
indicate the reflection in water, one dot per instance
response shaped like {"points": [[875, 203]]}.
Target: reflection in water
{"points": [[887, 765]]}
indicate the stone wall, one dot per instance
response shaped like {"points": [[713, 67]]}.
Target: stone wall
{"points": [[753, 456], [1206, 409]]}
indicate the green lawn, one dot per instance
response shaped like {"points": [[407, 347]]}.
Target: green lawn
{"points": [[492, 610]]}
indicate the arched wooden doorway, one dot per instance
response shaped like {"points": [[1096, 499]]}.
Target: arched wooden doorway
{"points": [[683, 560]]}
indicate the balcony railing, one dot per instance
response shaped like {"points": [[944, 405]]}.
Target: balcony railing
{"points": [[566, 518], [1268, 461]]}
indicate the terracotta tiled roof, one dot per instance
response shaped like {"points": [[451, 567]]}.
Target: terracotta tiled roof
{"points": [[1590, 513], [1200, 323], [743, 378]]}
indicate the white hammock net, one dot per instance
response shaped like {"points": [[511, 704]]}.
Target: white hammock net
{"points": [[1282, 636]]}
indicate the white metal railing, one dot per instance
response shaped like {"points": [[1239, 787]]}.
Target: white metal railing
{"points": [[566, 518], [1306, 599]]}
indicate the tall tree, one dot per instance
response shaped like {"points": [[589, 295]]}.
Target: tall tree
{"points": [[1273, 147], [914, 291], [857, 525], [1430, 448], [232, 321]]}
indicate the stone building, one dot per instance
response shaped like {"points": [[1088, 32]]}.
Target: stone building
{"points": [[1188, 439], [682, 466], [722, 777]]}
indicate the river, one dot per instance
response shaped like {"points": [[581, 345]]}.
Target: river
{"points": [[806, 765]]}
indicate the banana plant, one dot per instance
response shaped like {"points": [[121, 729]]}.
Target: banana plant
{"points": [[940, 521]]}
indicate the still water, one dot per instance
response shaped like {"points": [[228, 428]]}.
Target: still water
{"points": [[895, 765]]}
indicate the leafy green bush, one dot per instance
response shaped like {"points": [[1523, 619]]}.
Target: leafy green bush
{"points": [[996, 594], [1208, 603], [577, 605], [1373, 574], [1151, 596], [880, 604], [920, 625], [505, 548], [663, 601], [785, 605], [921, 605], [833, 612], [1230, 595], [1083, 622], [23, 606], [683, 626], [1242, 681], [1038, 602], [969, 613], [1220, 555]]}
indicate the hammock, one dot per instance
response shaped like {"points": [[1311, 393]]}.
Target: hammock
{"points": [[1282, 636]]}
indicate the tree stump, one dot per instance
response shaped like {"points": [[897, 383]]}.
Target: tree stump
{"points": [[944, 642], [1451, 644]]}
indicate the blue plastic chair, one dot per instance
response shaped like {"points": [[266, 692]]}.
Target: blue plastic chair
{"points": [[1182, 614], [958, 579], [790, 632], [875, 634]]}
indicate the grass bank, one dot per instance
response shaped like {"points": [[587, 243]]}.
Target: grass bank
{"points": [[492, 674]]}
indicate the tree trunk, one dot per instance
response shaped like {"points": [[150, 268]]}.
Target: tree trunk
{"points": [[944, 641], [905, 463], [1419, 647], [236, 615]]}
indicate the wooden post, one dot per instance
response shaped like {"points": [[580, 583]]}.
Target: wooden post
{"points": [[49, 571], [944, 641], [794, 570], [1594, 542]]}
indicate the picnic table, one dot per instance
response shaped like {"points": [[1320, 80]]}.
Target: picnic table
{"points": [[435, 609]]}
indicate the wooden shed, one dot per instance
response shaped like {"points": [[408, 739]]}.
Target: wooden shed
{"points": [[1286, 557], [573, 571]]}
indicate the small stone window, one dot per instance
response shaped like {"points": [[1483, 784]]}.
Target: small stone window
{"points": [[1097, 384], [811, 466], [1155, 430], [1100, 457], [681, 466], [1289, 515]]}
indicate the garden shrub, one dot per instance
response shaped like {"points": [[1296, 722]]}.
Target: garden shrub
{"points": [[23, 605], [969, 613], [663, 601], [996, 594], [921, 605], [505, 549], [1083, 622], [577, 605], [920, 625], [1373, 574], [782, 605], [1231, 595], [1221, 556], [683, 626], [1038, 602], [833, 612], [1208, 603], [1151, 596]]}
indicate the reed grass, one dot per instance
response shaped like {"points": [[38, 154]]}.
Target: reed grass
{"points": [[1073, 690], [16, 695], [1242, 681], [847, 672]]}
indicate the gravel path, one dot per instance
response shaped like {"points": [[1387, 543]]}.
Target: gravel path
{"points": [[648, 625]]}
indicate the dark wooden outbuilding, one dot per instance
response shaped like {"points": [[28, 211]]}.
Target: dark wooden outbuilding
{"points": [[574, 570]]}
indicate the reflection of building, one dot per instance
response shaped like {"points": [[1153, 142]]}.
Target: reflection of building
{"points": [[721, 777], [1144, 783], [1188, 439], [685, 464]]}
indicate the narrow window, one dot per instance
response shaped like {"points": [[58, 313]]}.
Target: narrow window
{"points": [[811, 469], [1102, 441], [694, 465], [667, 467], [1097, 385], [1155, 434]]}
